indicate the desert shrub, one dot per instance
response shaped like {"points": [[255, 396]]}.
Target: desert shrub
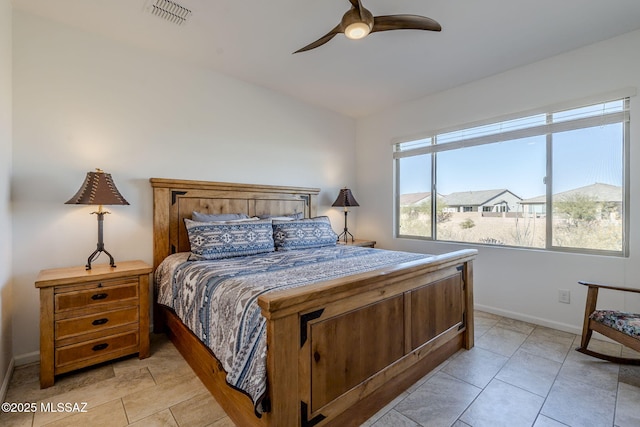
{"points": [[577, 209], [467, 224]]}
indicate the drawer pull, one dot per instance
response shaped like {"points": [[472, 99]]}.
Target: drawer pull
{"points": [[99, 296], [99, 347], [98, 322]]}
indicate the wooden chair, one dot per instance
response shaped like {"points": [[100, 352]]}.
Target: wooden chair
{"points": [[619, 326]]}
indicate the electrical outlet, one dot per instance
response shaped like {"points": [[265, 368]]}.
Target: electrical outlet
{"points": [[564, 296]]}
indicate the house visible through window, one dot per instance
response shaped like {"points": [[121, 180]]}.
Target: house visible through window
{"points": [[557, 181]]}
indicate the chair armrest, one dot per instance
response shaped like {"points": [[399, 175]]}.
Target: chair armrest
{"points": [[613, 288]]}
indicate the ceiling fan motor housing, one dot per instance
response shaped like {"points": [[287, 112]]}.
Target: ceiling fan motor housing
{"points": [[357, 24]]}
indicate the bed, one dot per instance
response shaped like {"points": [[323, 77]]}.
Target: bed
{"points": [[337, 350]]}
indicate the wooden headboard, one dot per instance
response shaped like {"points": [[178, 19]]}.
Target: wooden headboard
{"points": [[174, 200]]}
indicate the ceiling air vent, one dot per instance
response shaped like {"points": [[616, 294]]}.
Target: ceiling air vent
{"points": [[169, 11]]}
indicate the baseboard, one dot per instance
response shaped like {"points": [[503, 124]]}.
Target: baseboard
{"points": [[28, 358], [7, 378], [577, 330]]}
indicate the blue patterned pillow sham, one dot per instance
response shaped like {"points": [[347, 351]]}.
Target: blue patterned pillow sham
{"points": [[218, 240], [303, 234], [207, 217]]}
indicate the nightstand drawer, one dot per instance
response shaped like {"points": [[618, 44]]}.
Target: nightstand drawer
{"points": [[96, 322], [95, 294], [90, 352]]}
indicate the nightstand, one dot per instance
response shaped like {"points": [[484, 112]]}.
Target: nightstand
{"points": [[91, 316], [358, 242]]}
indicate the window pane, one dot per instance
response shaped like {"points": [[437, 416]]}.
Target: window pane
{"points": [[587, 188], [589, 111], [492, 129], [483, 188], [412, 145], [414, 174]]}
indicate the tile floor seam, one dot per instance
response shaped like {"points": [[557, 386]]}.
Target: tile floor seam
{"points": [[615, 406], [471, 403], [184, 400], [156, 412], [125, 411], [405, 415], [492, 378], [544, 357], [551, 418], [155, 381], [504, 382], [555, 378], [139, 391], [174, 416], [519, 388], [467, 407], [177, 403]]}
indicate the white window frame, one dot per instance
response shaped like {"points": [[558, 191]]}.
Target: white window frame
{"points": [[427, 144]]}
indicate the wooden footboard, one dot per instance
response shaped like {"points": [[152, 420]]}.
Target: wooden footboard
{"points": [[360, 341]]}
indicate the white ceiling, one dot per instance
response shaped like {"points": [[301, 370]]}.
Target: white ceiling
{"points": [[253, 40]]}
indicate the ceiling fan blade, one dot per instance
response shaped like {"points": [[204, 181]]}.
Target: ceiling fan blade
{"points": [[404, 22], [362, 12], [322, 40]]}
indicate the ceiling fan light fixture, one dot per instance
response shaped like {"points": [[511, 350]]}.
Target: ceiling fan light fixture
{"points": [[357, 30], [358, 22]]}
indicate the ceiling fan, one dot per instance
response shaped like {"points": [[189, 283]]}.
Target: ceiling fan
{"points": [[358, 22]]}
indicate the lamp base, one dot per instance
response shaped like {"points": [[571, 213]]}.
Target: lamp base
{"points": [[345, 235], [95, 255], [100, 246]]}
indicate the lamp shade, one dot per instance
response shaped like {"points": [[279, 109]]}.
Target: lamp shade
{"points": [[345, 198], [98, 189]]}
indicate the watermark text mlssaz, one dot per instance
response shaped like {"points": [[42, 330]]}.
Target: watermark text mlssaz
{"points": [[69, 407]]}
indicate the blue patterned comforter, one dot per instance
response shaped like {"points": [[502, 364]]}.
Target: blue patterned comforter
{"points": [[217, 300]]}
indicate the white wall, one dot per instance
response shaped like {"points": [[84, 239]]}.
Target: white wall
{"points": [[81, 102], [520, 283], [6, 351]]}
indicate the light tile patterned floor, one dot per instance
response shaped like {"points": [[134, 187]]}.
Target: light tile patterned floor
{"points": [[518, 374]]}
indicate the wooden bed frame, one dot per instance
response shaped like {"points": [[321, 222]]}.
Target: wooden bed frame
{"points": [[338, 350]]}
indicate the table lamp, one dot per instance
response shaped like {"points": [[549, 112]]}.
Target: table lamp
{"points": [[98, 189], [345, 199]]}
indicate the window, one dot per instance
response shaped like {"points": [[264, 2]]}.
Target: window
{"points": [[554, 181]]}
